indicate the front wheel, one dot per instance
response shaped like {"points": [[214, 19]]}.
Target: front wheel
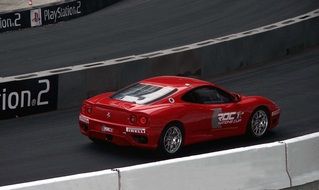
{"points": [[171, 140], [258, 123]]}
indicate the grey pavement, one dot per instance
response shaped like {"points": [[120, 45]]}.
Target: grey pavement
{"points": [[10, 5]]}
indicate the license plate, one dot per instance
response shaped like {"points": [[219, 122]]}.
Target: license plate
{"points": [[106, 129]]}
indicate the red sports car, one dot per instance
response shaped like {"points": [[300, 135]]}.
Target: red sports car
{"points": [[168, 112]]}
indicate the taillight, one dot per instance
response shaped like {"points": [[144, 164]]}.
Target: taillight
{"points": [[132, 119], [138, 120], [142, 120], [89, 109], [86, 108]]}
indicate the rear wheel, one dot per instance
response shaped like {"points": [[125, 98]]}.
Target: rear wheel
{"points": [[259, 123], [171, 139]]}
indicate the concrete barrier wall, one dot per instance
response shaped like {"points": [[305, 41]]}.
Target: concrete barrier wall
{"points": [[256, 167], [101, 180], [303, 159], [290, 164]]}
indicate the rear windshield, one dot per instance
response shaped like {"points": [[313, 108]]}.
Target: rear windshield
{"points": [[143, 93]]}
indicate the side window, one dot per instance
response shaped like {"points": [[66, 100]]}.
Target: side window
{"points": [[207, 95], [224, 96]]}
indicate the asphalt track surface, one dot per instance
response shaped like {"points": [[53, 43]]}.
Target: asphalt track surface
{"points": [[50, 144], [137, 26]]}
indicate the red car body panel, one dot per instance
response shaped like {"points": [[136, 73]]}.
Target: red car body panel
{"points": [[141, 125]]}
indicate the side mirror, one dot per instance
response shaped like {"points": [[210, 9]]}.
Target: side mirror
{"points": [[237, 97]]}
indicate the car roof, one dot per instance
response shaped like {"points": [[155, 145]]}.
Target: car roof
{"points": [[176, 81]]}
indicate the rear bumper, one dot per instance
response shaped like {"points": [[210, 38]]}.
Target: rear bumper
{"points": [[140, 137]]}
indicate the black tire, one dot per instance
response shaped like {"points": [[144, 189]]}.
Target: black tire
{"points": [[171, 140], [258, 123]]}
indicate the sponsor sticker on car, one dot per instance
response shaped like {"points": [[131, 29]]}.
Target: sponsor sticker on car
{"points": [[135, 130], [106, 129], [230, 117]]}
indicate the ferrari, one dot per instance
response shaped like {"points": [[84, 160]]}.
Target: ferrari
{"points": [[169, 112]]}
